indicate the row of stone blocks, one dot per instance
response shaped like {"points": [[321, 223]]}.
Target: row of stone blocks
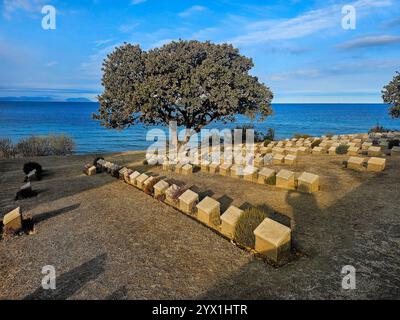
{"points": [[272, 239], [372, 164]]}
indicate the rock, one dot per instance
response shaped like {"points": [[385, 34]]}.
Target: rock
{"points": [[355, 163]]}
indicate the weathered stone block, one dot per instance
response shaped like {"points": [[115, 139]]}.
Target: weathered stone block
{"points": [[273, 239], [169, 193], [188, 200], [332, 151], [353, 151], [205, 165], [229, 221], [187, 169], [318, 150], [133, 177], [374, 151], [290, 160], [395, 151], [237, 171], [265, 174], [285, 179], [140, 180], [355, 163], [278, 159], [224, 169], [213, 168], [208, 211], [160, 187], [91, 171], [308, 182], [376, 164], [13, 220], [250, 173], [178, 167]]}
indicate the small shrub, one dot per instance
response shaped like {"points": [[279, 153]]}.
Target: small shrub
{"points": [[7, 148], [97, 159], [329, 135], [393, 143], [145, 162], [29, 166], [316, 143], [342, 149], [271, 180], [246, 224], [51, 145], [299, 136]]}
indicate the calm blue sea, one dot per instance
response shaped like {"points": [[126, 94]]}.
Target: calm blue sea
{"points": [[21, 119]]}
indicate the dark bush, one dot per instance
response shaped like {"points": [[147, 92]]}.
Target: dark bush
{"points": [[316, 143], [378, 129], [29, 166], [97, 159], [299, 135], [246, 224], [342, 149], [393, 143]]}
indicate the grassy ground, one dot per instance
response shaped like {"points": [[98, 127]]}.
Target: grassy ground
{"points": [[108, 240]]}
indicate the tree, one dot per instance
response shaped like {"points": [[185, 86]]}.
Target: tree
{"points": [[391, 95], [193, 83]]}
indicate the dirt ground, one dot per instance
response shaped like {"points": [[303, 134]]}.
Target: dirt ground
{"points": [[107, 240]]}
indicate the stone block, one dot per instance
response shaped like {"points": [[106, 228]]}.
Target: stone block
{"points": [[140, 180], [374, 151], [285, 179], [147, 182], [355, 163], [205, 165], [318, 150], [265, 174], [395, 151], [133, 177], [250, 173], [188, 200], [376, 164], [187, 169], [332, 151], [169, 193], [178, 167], [353, 151], [290, 160], [229, 219], [213, 168], [160, 187], [308, 182], [13, 220], [91, 171], [208, 211], [224, 169], [237, 171], [273, 239], [365, 146], [278, 159]]}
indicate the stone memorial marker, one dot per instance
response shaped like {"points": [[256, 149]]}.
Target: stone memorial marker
{"points": [[188, 200], [208, 211]]}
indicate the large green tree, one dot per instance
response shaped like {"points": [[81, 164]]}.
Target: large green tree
{"points": [[391, 95], [193, 83]]}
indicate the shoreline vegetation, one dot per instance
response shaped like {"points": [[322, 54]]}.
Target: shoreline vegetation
{"points": [[37, 146]]}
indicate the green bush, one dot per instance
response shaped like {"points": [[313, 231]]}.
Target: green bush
{"points": [[271, 180], [342, 149], [378, 129], [247, 223], [316, 143]]}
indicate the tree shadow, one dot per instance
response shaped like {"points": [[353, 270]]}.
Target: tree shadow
{"points": [[54, 213], [119, 294], [72, 281], [225, 202]]}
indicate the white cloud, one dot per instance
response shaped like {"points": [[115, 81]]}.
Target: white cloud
{"points": [[10, 7], [370, 41], [191, 11], [103, 42], [125, 28], [51, 63], [309, 23]]}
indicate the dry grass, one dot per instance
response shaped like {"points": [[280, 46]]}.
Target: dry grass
{"points": [[110, 240]]}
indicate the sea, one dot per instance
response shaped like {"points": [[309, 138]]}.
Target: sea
{"points": [[20, 119]]}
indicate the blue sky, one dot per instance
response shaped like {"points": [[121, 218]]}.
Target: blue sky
{"points": [[299, 48]]}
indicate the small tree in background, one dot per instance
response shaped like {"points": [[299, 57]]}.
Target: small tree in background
{"points": [[391, 95], [193, 83]]}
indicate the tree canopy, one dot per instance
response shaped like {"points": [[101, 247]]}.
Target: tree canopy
{"points": [[193, 83], [391, 95]]}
